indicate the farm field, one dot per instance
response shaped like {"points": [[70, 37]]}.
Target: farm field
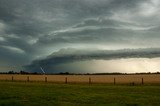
{"points": [[110, 79], [40, 93]]}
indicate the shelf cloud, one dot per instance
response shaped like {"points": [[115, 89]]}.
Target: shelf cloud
{"points": [[31, 30], [69, 55]]}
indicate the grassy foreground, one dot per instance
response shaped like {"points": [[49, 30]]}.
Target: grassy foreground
{"points": [[20, 93]]}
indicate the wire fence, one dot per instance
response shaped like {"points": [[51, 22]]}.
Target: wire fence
{"points": [[91, 79]]}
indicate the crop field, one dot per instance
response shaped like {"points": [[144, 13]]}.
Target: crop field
{"points": [[110, 79]]}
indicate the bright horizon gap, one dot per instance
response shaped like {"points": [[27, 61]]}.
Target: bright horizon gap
{"points": [[129, 65]]}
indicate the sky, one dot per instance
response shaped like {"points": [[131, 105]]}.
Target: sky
{"points": [[56, 33]]}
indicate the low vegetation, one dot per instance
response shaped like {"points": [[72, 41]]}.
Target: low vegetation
{"points": [[27, 93], [68, 73]]}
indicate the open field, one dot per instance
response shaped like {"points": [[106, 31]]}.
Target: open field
{"points": [[40, 93], [118, 79]]}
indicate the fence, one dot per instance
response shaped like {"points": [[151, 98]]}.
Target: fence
{"points": [[112, 79]]}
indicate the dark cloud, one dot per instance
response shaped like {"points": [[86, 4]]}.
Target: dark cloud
{"points": [[102, 31], [31, 29], [72, 55], [12, 56]]}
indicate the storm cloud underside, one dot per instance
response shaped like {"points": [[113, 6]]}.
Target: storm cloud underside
{"points": [[34, 29]]}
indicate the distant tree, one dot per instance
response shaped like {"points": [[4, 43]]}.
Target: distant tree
{"points": [[64, 73], [11, 72], [23, 72], [35, 73]]}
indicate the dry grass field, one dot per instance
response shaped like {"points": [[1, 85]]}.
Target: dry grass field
{"points": [[119, 79]]}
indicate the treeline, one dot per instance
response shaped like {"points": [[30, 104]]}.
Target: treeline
{"points": [[68, 73], [20, 72]]}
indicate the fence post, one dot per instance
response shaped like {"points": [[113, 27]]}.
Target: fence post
{"points": [[66, 80], [142, 81], [114, 81], [27, 78], [89, 80], [45, 79], [12, 78]]}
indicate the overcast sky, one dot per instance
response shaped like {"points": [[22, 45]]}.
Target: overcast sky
{"points": [[34, 29]]}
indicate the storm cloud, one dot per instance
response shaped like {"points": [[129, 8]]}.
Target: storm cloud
{"points": [[65, 56], [34, 29]]}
